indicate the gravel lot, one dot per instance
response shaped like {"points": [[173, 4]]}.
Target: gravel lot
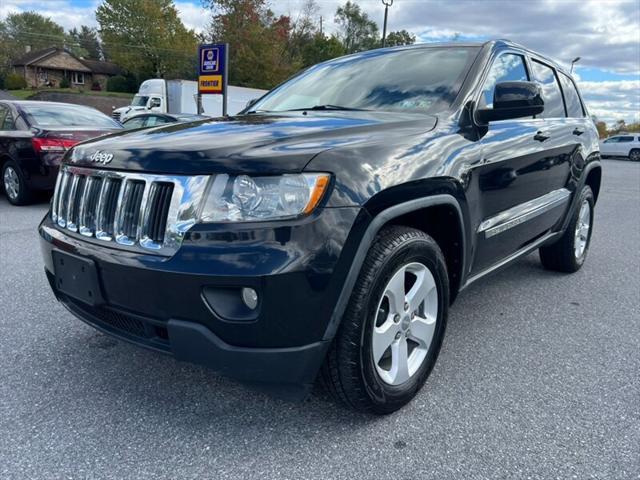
{"points": [[539, 377]]}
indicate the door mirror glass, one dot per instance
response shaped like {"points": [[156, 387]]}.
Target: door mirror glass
{"points": [[154, 103], [512, 100]]}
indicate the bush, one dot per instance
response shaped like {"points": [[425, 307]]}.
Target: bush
{"points": [[2, 81], [15, 82], [64, 83], [95, 86], [121, 83]]}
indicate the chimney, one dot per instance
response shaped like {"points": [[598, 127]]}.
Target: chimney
{"points": [[27, 48]]}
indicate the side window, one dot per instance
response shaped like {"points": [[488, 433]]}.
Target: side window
{"points": [[134, 123], [154, 120], [612, 140], [553, 106], [574, 106], [506, 68], [625, 139], [3, 114]]}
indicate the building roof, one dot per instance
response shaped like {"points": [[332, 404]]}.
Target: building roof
{"points": [[96, 66]]}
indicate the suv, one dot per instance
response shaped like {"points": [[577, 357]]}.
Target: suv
{"points": [[623, 145], [325, 230]]}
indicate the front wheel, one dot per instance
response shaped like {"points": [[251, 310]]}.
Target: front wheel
{"points": [[393, 327], [570, 251], [634, 155]]}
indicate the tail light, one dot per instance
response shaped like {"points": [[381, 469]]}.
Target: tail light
{"points": [[52, 145]]}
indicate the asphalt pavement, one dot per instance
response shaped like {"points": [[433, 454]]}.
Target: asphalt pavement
{"points": [[539, 377]]}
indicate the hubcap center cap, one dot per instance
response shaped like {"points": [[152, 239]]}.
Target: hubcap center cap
{"points": [[406, 322]]}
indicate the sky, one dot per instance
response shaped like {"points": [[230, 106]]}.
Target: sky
{"points": [[604, 33]]}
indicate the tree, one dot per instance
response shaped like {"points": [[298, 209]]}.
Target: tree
{"points": [[602, 129], [147, 38], [401, 37], [321, 48], [86, 39], [357, 31], [28, 30], [258, 41]]}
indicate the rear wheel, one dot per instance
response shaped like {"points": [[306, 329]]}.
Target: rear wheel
{"points": [[634, 155], [570, 251], [392, 330], [15, 186]]}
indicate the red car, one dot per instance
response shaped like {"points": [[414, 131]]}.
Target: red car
{"points": [[33, 138]]}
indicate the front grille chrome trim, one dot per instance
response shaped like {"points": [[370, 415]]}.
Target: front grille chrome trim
{"points": [[93, 224]]}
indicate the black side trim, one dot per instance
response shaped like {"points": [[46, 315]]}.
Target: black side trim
{"points": [[367, 240]]}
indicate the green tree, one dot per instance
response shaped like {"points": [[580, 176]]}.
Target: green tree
{"points": [[402, 37], [147, 38], [321, 48], [356, 30], [602, 129], [258, 41], [87, 39]]}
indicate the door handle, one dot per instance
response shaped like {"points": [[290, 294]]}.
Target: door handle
{"points": [[578, 132], [541, 137]]}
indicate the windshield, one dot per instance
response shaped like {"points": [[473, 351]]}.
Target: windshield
{"points": [[417, 80], [139, 101], [64, 115]]}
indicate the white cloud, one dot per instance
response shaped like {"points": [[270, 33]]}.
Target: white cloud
{"points": [[612, 100], [193, 15]]}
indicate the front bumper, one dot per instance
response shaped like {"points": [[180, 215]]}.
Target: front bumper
{"points": [[183, 305]]}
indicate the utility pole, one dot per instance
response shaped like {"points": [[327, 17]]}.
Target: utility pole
{"points": [[387, 4], [320, 25]]}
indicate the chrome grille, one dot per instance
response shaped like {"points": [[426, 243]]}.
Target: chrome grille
{"points": [[129, 210], [116, 115]]}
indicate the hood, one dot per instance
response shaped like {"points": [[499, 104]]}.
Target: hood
{"points": [[252, 144]]}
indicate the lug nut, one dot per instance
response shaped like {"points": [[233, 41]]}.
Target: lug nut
{"points": [[398, 335], [406, 306], [413, 315], [396, 318]]}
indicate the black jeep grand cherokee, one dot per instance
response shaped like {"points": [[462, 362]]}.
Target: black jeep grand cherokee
{"points": [[326, 230]]}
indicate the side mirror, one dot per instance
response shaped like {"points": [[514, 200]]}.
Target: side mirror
{"points": [[513, 100], [153, 103]]}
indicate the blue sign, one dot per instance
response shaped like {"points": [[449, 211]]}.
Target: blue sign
{"points": [[211, 59]]}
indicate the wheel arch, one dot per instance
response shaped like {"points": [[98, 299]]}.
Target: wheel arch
{"points": [[593, 178], [422, 214]]}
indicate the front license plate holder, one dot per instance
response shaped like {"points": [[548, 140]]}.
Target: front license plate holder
{"points": [[77, 277]]}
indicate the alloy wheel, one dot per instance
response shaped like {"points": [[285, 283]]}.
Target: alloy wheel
{"points": [[583, 226], [11, 183], [405, 323]]}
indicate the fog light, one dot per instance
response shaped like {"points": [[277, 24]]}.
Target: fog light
{"points": [[250, 297]]}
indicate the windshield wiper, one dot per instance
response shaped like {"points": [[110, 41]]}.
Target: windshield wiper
{"points": [[326, 107]]}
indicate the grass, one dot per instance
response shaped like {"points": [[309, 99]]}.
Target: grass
{"points": [[29, 92]]}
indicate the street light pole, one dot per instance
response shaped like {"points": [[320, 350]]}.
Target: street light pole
{"points": [[387, 4], [573, 62]]}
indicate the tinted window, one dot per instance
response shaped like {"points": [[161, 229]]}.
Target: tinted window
{"points": [[3, 113], [574, 107], [553, 106], [416, 80], [625, 139], [152, 121], [8, 123], [506, 68], [63, 115], [612, 140]]}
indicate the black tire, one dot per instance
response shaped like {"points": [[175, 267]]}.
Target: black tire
{"points": [[561, 256], [349, 372], [634, 155], [22, 194]]}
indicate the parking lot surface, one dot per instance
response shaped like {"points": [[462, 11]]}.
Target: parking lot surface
{"points": [[539, 377]]}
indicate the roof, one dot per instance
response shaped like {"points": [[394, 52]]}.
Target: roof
{"points": [[96, 66]]}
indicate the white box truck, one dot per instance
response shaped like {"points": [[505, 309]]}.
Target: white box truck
{"points": [[180, 96]]}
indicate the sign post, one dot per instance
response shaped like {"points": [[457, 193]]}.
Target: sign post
{"points": [[213, 71]]}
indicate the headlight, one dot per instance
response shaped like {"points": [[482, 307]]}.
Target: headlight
{"points": [[249, 199]]}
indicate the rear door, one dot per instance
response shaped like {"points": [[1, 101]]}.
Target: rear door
{"points": [[525, 166]]}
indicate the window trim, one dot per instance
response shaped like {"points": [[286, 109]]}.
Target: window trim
{"points": [[74, 78], [575, 87]]}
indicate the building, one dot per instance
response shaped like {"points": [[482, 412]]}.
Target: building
{"points": [[47, 68]]}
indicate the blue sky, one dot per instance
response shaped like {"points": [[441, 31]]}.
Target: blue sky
{"points": [[604, 33]]}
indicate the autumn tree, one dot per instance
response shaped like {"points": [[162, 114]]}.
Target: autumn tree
{"points": [[86, 39], [147, 38], [258, 42]]}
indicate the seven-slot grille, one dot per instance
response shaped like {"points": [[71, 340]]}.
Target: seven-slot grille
{"points": [[130, 210]]}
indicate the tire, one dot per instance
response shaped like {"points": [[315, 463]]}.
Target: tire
{"points": [[634, 155], [350, 373], [14, 184], [570, 251]]}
